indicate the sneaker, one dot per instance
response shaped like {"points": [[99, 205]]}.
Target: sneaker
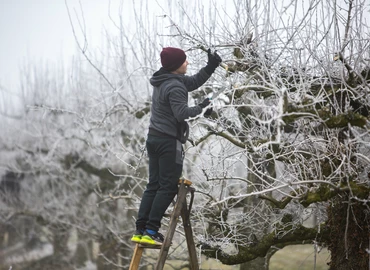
{"points": [[152, 239], [136, 238]]}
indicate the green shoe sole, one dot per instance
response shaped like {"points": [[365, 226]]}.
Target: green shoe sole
{"points": [[136, 238], [146, 240]]}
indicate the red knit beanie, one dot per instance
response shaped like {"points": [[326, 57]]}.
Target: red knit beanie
{"points": [[172, 58]]}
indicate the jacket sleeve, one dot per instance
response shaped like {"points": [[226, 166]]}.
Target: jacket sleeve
{"points": [[197, 80], [178, 98]]}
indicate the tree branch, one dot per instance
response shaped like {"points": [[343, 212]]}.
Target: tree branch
{"points": [[331, 121], [299, 235], [321, 194]]}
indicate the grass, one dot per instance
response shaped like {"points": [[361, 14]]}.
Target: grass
{"points": [[297, 257]]}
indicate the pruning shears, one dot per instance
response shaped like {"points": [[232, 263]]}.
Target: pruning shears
{"points": [[223, 65]]}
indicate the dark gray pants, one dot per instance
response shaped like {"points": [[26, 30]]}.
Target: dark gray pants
{"points": [[165, 168]]}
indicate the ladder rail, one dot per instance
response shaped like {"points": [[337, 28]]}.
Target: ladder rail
{"points": [[135, 262], [180, 209], [181, 197], [185, 215]]}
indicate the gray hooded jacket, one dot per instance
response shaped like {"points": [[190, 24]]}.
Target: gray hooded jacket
{"points": [[170, 102]]}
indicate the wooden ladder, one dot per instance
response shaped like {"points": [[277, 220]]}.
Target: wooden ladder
{"points": [[181, 209]]}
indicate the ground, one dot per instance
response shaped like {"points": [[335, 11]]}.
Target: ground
{"points": [[298, 257]]}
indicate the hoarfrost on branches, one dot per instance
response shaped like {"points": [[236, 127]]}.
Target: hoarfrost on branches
{"points": [[282, 160]]}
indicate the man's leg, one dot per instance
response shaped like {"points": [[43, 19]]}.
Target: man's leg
{"points": [[152, 186], [170, 169]]}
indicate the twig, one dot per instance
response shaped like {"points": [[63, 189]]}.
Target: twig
{"points": [[84, 50]]}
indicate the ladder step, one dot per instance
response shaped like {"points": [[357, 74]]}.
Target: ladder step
{"points": [[186, 182], [150, 246]]}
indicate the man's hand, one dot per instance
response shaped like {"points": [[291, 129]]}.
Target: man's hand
{"points": [[208, 112], [214, 60], [204, 103]]}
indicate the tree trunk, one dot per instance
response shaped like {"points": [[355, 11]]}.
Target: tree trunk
{"points": [[108, 253], [9, 235], [84, 249], [258, 263], [350, 235], [60, 240]]}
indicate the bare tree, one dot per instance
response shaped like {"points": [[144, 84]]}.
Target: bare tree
{"points": [[290, 130], [78, 144], [289, 134]]}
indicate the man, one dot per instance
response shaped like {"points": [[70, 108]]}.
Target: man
{"points": [[167, 131]]}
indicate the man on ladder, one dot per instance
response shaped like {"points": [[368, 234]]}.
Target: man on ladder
{"points": [[168, 130]]}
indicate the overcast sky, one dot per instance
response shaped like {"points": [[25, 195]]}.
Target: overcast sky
{"points": [[39, 30]]}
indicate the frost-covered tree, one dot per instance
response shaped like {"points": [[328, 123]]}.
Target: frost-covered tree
{"points": [[73, 148], [290, 133], [77, 145], [289, 136]]}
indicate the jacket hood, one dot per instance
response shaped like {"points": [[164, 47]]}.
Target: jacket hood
{"points": [[161, 76]]}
